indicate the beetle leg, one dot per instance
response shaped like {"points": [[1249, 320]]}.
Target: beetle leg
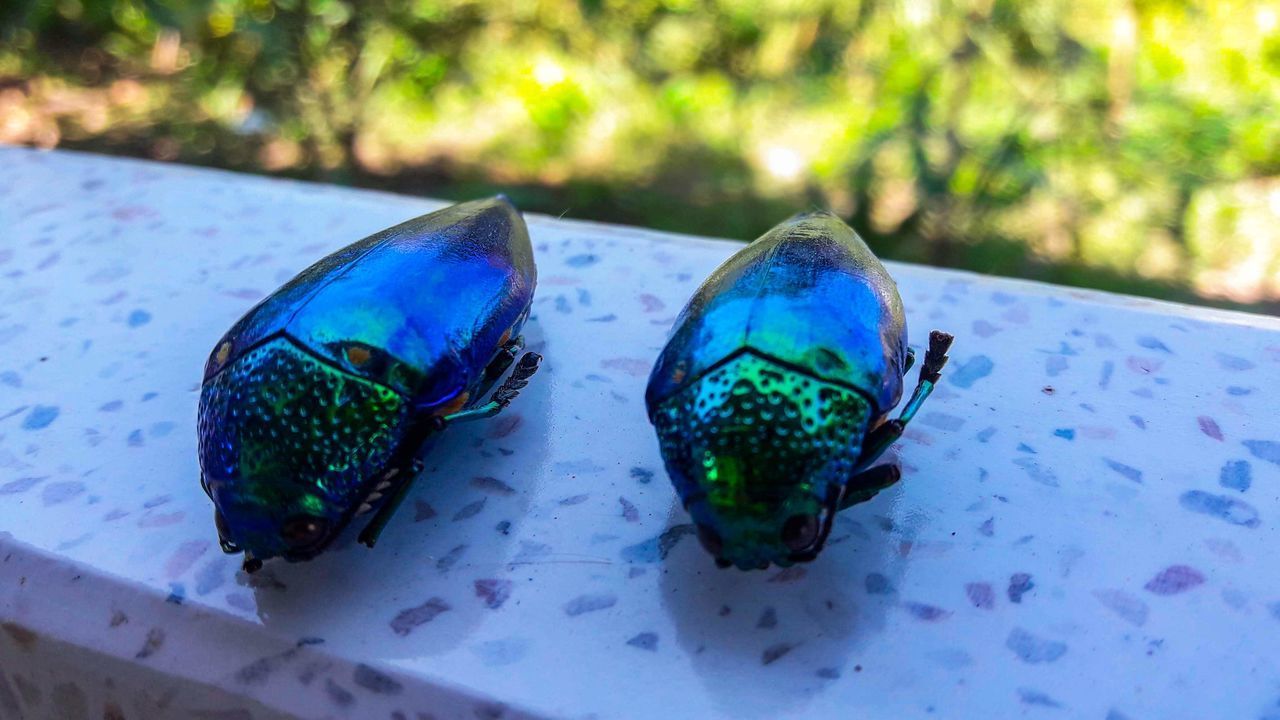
{"points": [[251, 563], [864, 485], [505, 393], [879, 440], [525, 369], [930, 373], [502, 362], [227, 545], [369, 535]]}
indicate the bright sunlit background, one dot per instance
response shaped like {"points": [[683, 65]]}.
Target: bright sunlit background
{"points": [[1131, 145]]}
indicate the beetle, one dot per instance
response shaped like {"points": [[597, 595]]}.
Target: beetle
{"points": [[771, 397], [317, 406]]}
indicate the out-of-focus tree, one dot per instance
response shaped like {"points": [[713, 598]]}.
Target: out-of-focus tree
{"points": [[1129, 145]]}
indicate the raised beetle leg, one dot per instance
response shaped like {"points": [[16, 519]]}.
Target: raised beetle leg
{"points": [[930, 372], [881, 438], [866, 484], [505, 393], [502, 362]]}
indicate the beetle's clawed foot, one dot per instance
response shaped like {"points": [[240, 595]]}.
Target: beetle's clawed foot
{"points": [[251, 564], [936, 357], [525, 368]]}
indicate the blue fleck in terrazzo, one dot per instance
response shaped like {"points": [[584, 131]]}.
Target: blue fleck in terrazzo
{"points": [[1087, 528]]}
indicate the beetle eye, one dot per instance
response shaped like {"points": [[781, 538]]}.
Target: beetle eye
{"points": [[800, 532], [710, 539], [304, 531]]}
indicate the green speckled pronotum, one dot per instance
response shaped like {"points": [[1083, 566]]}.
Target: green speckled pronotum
{"points": [[771, 399]]}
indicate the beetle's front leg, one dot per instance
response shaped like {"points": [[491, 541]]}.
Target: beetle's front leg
{"points": [[864, 485], [505, 393], [501, 362], [879, 440]]}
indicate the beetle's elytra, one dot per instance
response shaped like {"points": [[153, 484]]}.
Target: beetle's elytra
{"points": [[771, 398], [317, 404]]}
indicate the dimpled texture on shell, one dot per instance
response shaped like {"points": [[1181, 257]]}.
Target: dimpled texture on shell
{"points": [[283, 432], [809, 293], [752, 443]]}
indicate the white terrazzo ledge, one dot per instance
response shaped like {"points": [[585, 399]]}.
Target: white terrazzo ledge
{"points": [[1087, 525]]}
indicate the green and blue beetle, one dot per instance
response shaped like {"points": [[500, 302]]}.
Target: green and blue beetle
{"points": [[771, 398], [317, 405]]}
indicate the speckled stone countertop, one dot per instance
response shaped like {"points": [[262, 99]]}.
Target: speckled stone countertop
{"points": [[1087, 525]]}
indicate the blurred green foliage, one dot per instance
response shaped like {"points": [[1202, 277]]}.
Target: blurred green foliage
{"points": [[1131, 145]]}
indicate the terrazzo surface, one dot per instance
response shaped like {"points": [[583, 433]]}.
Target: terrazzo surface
{"points": [[1086, 527]]}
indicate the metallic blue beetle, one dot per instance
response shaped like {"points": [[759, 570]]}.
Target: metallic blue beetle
{"points": [[771, 398], [318, 403]]}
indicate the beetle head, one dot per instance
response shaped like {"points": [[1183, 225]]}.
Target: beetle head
{"points": [[759, 453], [287, 445]]}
